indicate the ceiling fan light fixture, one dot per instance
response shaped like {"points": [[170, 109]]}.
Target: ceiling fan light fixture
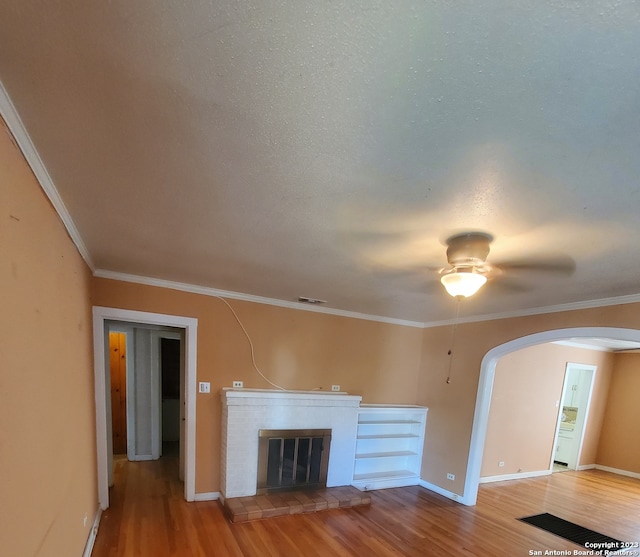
{"points": [[462, 283]]}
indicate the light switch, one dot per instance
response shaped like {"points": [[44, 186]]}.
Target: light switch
{"points": [[204, 387]]}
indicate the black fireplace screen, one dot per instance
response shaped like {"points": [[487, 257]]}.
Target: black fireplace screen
{"points": [[292, 458]]}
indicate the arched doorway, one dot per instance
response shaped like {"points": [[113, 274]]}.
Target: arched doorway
{"points": [[485, 386]]}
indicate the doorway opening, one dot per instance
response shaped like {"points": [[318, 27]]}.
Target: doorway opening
{"points": [[572, 416], [485, 387], [146, 389], [170, 394], [144, 333]]}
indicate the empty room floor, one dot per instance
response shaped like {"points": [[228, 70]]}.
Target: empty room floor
{"points": [[149, 517]]}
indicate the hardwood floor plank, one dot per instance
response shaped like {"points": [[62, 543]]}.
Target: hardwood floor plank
{"points": [[149, 517]]}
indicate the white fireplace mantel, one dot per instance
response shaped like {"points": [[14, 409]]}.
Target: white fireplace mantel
{"points": [[246, 411]]}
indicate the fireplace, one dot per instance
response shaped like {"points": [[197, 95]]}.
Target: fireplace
{"points": [[247, 411], [292, 459]]}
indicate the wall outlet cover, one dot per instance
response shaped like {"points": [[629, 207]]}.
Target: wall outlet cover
{"points": [[238, 384], [335, 388], [451, 476], [204, 387]]}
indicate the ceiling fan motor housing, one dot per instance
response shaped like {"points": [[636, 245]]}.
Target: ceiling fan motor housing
{"points": [[468, 250]]}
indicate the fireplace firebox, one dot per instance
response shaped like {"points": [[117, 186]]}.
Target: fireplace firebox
{"points": [[292, 459]]}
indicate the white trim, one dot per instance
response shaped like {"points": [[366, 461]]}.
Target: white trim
{"points": [[587, 304], [93, 533], [214, 292], [517, 476], [485, 387], [207, 496], [17, 128], [440, 491], [618, 471], [190, 325], [585, 419], [572, 464], [585, 467], [241, 396]]}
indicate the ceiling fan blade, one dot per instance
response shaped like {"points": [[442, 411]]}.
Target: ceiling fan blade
{"points": [[558, 264], [505, 285], [422, 272]]}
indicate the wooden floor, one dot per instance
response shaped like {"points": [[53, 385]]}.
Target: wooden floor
{"points": [[149, 517]]}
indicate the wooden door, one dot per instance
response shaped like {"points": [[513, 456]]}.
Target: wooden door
{"points": [[118, 367]]}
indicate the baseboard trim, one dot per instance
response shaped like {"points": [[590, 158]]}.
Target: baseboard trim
{"points": [[93, 533], [517, 476], [585, 467], [444, 492], [208, 496], [618, 471]]}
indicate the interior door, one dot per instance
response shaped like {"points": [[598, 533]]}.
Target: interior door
{"points": [[143, 397]]}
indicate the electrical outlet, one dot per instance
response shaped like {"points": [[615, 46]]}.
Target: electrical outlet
{"points": [[335, 388], [204, 387], [238, 384], [501, 463], [451, 476]]}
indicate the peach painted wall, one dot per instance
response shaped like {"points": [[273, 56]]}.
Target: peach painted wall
{"points": [[295, 349], [523, 415], [619, 447], [47, 415], [451, 406]]}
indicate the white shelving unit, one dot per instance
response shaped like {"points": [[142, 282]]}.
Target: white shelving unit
{"points": [[389, 446]]}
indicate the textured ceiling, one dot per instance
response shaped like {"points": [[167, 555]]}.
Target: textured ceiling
{"points": [[328, 149]]}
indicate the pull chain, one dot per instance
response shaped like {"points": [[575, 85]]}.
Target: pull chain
{"points": [[453, 338]]}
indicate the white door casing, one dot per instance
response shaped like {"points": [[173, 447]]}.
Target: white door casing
{"points": [[190, 325]]}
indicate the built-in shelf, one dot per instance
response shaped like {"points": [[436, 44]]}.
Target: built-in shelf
{"points": [[398, 474], [389, 454], [388, 422], [389, 446], [392, 436]]}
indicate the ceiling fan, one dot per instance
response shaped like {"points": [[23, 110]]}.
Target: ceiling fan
{"points": [[469, 271]]}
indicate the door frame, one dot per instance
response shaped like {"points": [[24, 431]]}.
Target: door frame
{"points": [[101, 367], [582, 429]]}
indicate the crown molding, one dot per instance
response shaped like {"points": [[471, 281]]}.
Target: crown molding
{"points": [[22, 139], [216, 293], [572, 306]]}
